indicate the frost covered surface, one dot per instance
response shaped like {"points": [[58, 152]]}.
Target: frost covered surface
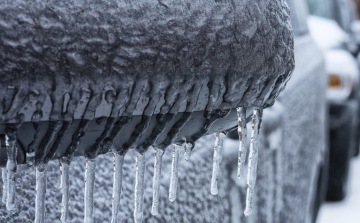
{"points": [[238, 53]]}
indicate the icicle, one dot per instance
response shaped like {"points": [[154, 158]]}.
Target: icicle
{"points": [[11, 167], [4, 178], [219, 138], [174, 173], [89, 190], [253, 158], [139, 187], [242, 131], [188, 149], [40, 193], [118, 173], [156, 180], [30, 158], [64, 187]]}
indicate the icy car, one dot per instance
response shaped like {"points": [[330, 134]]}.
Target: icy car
{"points": [[129, 79]]}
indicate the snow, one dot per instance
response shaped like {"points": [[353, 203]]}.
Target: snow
{"points": [[326, 33], [347, 210]]}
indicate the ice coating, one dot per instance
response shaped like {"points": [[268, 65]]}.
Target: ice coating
{"points": [[218, 148], [11, 167], [40, 193], [4, 189], [242, 131], [89, 191], [250, 58], [188, 148], [118, 161], [64, 187], [139, 187], [174, 172], [253, 159], [156, 180]]}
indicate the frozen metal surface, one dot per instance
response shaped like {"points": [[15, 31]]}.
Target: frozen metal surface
{"points": [[111, 58]]}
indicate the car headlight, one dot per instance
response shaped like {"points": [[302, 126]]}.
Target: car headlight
{"points": [[339, 87]]}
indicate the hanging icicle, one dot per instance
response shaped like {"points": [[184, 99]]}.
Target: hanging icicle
{"points": [[242, 131], [253, 158], [64, 187], [118, 174], [174, 172], [188, 149], [4, 179], [156, 180], [11, 166], [139, 187], [40, 193], [89, 191], [218, 148]]}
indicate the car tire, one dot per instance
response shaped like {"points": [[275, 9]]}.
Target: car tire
{"points": [[339, 159]]}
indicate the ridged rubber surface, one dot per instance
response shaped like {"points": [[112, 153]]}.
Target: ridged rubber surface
{"points": [[83, 59]]}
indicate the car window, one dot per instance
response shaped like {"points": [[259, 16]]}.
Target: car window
{"points": [[343, 13], [299, 13], [320, 8]]}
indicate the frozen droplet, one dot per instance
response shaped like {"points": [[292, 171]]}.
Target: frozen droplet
{"points": [[242, 131], [188, 149], [11, 166], [4, 189], [218, 148], [89, 191], [30, 158], [156, 180], [139, 187], [40, 193], [118, 173], [174, 172], [253, 158], [64, 187]]}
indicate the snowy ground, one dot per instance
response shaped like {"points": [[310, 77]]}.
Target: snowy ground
{"points": [[349, 210]]}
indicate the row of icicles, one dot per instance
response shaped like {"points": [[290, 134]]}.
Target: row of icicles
{"points": [[8, 175]]}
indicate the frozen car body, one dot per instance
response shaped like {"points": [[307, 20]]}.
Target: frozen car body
{"points": [[19, 102], [285, 173]]}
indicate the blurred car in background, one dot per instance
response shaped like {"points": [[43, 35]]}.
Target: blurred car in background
{"points": [[293, 162], [330, 26]]}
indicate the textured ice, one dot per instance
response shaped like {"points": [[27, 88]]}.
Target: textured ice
{"points": [[64, 187], [253, 161], [40, 193], [156, 181], [139, 188], [89, 191], [116, 195], [4, 187], [174, 172], [218, 148], [11, 167], [242, 131]]}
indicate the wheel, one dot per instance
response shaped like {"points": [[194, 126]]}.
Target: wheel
{"points": [[339, 159]]}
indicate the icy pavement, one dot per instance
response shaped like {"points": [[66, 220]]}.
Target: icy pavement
{"points": [[348, 210]]}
